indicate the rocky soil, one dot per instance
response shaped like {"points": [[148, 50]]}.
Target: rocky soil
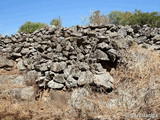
{"points": [[93, 72]]}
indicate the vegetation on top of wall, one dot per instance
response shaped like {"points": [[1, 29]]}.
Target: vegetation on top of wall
{"points": [[29, 27], [57, 22], [124, 18], [135, 18]]}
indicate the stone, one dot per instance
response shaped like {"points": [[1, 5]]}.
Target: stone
{"points": [[55, 85], [59, 48], [5, 79], [103, 79], [157, 43], [5, 63], [156, 38], [31, 77], [135, 28], [25, 51], [18, 49], [42, 67], [80, 102], [58, 66], [19, 80], [7, 41], [113, 56], [67, 71], [100, 55], [98, 67], [83, 66], [85, 78], [122, 32], [16, 55], [59, 78], [103, 45], [128, 29], [20, 65], [80, 56], [27, 93], [71, 82]]}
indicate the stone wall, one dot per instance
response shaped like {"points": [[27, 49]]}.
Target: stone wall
{"points": [[73, 57]]}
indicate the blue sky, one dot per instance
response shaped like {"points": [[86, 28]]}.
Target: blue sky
{"points": [[13, 13]]}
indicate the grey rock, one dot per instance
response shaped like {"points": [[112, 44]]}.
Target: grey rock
{"points": [[22, 93], [85, 78], [59, 48], [98, 67], [42, 67], [122, 32], [31, 77], [19, 80], [157, 43], [20, 65], [79, 100], [17, 55], [128, 29], [27, 93], [55, 85], [71, 82], [73, 71], [59, 78], [80, 56], [113, 55], [83, 66], [5, 79], [103, 79], [4, 62], [18, 49], [6, 41], [156, 38], [103, 45], [25, 51], [9, 49], [58, 66], [135, 28], [68, 70], [100, 55]]}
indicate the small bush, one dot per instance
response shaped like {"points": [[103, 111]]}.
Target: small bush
{"points": [[57, 22], [29, 27]]}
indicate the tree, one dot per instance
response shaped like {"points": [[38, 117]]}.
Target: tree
{"points": [[29, 27], [125, 18], [57, 22], [115, 17], [96, 18]]}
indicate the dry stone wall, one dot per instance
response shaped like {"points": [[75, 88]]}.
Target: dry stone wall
{"points": [[73, 57]]}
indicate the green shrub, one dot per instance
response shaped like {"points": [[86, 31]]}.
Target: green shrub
{"points": [[29, 27], [135, 18], [57, 22]]}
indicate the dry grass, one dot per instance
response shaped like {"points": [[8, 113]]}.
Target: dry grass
{"points": [[33, 110]]}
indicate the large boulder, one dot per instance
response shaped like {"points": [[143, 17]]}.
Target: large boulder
{"points": [[79, 101], [103, 79], [6, 63]]}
